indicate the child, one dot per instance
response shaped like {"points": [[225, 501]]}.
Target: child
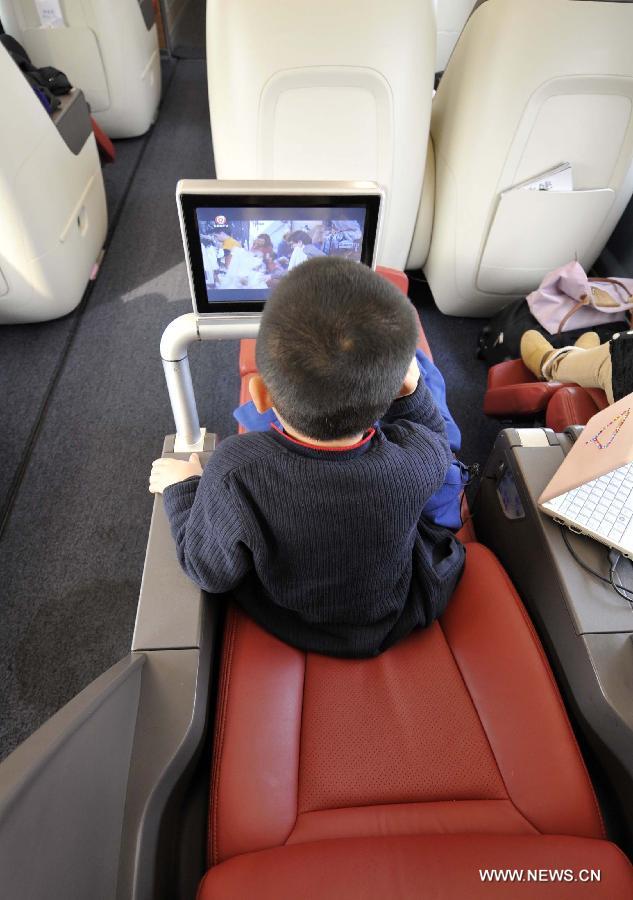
{"points": [[316, 527], [588, 363]]}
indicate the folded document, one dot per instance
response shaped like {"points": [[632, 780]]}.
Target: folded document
{"points": [[556, 179]]}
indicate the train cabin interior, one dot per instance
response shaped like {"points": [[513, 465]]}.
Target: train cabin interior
{"points": [[156, 743]]}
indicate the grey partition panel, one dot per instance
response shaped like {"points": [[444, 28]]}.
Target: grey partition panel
{"points": [[177, 628], [170, 731], [73, 120], [147, 10], [170, 605], [108, 798], [62, 795], [586, 628]]}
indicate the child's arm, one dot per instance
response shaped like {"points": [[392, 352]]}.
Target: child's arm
{"points": [[415, 403], [166, 472], [206, 528], [415, 424]]}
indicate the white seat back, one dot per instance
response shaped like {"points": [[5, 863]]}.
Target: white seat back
{"points": [[53, 217], [324, 91], [108, 48], [451, 18], [531, 84]]}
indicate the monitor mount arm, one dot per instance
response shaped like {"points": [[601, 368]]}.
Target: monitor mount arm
{"points": [[174, 347]]}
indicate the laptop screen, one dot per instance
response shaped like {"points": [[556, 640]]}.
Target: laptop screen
{"points": [[241, 245]]}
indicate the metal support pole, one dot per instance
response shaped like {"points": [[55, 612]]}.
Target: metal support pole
{"points": [[174, 347]]}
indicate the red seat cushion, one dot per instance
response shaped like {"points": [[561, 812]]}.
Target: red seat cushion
{"points": [[457, 729], [573, 405], [513, 390], [446, 867]]}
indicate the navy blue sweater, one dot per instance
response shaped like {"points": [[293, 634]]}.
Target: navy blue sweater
{"points": [[326, 549]]}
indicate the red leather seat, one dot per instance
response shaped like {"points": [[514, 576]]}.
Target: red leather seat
{"points": [[402, 775], [514, 391], [446, 867], [574, 405]]}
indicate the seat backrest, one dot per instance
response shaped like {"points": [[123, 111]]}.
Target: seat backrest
{"points": [[451, 18], [329, 90], [109, 50], [53, 217], [531, 84]]}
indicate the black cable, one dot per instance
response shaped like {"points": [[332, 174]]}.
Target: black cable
{"points": [[614, 559], [563, 531]]}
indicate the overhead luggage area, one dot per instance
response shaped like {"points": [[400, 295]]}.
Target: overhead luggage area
{"points": [[54, 220], [108, 48], [530, 86], [328, 91]]}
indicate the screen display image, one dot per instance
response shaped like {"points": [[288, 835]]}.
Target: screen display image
{"points": [[247, 251]]}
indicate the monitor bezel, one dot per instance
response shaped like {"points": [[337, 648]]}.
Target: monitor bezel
{"points": [[301, 196]]}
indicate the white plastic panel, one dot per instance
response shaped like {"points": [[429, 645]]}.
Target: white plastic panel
{"points": [[105, 49], [424, 226], [503, 114], [52, 229], [331, 91], [451, 18], [532, 231], [325, 101], [592, 127], [76, 52]]}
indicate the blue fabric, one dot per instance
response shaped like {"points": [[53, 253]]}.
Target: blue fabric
{"points": [[444, 507]]}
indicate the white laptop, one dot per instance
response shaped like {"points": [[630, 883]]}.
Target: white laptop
{"points": [[592, 491]]}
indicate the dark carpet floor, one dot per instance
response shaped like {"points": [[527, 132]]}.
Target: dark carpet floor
{"points": [[37, 351], [453, 340], [72, 551], [188, 39], [85, 411]]}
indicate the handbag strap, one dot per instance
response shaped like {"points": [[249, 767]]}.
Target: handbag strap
{"points": [[570, 313], [618, 283]]}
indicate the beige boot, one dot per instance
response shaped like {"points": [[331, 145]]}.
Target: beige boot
{"points": [[588, 340], [534, 351]]}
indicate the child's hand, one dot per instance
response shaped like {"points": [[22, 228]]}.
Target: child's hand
{"points": [[411, 379], [171, 471]]}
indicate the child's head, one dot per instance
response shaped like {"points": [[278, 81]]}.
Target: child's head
{"points": [[334, 345]]}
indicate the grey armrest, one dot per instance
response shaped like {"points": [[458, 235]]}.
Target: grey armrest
{"points": [[170, 605]]}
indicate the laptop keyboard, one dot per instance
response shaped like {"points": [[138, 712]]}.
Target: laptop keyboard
{"points": [[604, 506]]}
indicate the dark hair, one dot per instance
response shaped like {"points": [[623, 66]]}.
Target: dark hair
{"points": [[334, 345], [302, 236]]}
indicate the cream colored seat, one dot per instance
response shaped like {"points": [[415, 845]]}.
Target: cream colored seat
{"points": [[330, 91], [531, 84], [108, 48], [53, 217], [451, 18]]}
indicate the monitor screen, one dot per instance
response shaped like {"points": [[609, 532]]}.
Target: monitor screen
{"points": [[241, 247]]}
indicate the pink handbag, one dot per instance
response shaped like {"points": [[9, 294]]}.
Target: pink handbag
{"points": [[568, 293]]}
